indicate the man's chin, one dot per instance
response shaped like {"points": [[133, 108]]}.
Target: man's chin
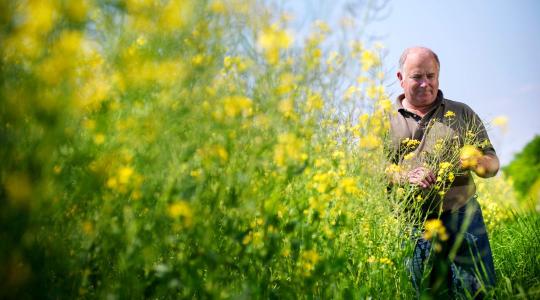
{"points": [[428, 99]]}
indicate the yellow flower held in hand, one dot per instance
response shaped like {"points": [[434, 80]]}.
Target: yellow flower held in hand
{"points": [[469, 156]]}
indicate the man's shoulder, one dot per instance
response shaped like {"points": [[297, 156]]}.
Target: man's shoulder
{"points": [[457, 106]]}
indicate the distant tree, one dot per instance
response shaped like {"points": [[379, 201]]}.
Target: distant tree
{"points": [[525, 168]]}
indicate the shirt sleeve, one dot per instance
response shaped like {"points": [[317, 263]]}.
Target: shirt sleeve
{"points": [[476, 133]]}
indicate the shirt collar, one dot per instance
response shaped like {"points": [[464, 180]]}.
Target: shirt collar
{"points": [[399, 105]]}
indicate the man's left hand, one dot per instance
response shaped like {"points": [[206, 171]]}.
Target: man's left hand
{"points": [[486, 165]]}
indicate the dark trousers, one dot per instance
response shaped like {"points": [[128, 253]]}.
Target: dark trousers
{"points": [[459, 267]]}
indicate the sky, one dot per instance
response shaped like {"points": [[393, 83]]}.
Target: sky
{"points": [[489, 52]]}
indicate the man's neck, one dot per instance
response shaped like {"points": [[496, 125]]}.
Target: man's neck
{"points": [[421, 110]]}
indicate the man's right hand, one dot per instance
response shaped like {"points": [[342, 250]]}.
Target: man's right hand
{"points": [[421, 176]]}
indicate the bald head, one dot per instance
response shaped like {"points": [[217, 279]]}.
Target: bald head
{"points": [[419, 51]]}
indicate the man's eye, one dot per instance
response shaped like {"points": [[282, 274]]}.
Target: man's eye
{"points": [[416, 77]]}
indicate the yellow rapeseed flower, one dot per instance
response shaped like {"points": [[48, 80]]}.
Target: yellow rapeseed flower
{"points": [[196, 173], [322, 181], [288, 150], [89, 124], [237, 105], [445, 165], [198, 59], [449, 114], [176, 14], [386, 261], [375, 91], [77, 10], [410, 143], [141, 41], [439, 146], [40, 16], [451, 177], [217, 6], [393, 168], [469, 156], [322, 26], [409, 156], [350, 92], [314, 102], [221, 152], [434, 228], [124, 174], [363, 119], [369, 59], [385, 104], [287, 83], [371, 92], [362, 79], [227, 62], [181, 209], [349, 185], [112, 183], [272, 39], [286, 107], [308, 261], [99, 138], [370, 141], [501, 122]]}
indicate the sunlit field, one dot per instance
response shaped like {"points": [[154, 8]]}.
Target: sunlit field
{"points": [[201, 149]]}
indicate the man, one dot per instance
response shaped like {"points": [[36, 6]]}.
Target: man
{"points": [[424, 129]]}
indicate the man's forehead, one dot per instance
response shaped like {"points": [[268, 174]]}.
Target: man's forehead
{"points": [[420, 69], [419, 62], [419, 56]]}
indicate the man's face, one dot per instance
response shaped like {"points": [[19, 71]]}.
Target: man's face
{"points": [[419, 78]]}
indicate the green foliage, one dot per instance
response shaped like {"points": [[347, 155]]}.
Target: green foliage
{"points": [[524, 170], [186, 149]]}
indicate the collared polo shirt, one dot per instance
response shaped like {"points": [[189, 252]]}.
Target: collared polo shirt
{"points": [[435, 138]]}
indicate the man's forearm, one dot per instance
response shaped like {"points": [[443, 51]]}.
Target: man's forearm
{"points": [[488, 166]]}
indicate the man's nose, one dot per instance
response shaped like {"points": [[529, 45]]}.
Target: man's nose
{"points": [[424, 82]]}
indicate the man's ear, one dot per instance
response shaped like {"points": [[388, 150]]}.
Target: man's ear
{"points": [[400, 77]]}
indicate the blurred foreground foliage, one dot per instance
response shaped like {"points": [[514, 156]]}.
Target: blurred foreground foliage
{"points": [[188, 148]]}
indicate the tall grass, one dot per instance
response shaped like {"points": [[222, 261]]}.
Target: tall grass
{"points": [[516, 247]]}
